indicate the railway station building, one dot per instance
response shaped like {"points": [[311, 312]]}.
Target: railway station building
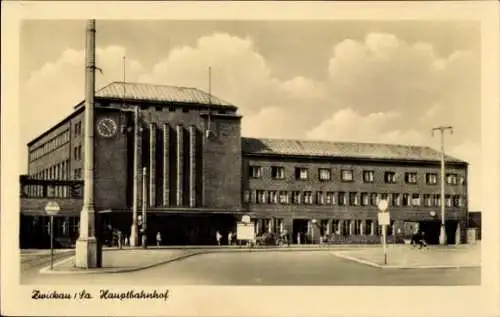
{"points": [[203, 176]]}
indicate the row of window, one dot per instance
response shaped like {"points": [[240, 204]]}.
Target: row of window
{"points": [[50, 145], [58, 171], [347, 175], [77, 152], [350, 198]]}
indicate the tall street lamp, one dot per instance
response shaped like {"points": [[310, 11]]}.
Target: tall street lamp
{"points": [[87, 251], [442, 232]]}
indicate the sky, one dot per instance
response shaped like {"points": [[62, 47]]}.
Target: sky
{"points": [[359, 81]]}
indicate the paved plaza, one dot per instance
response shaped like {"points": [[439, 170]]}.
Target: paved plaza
{"points": [[295, 266]]}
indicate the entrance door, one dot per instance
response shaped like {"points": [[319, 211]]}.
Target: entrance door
{"points": [[451, 228], [431, 230], [299, 225]]}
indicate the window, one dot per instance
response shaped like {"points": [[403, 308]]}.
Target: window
{"points": [[296, 197], [255, 171], [431, 178], [347, 175], [427, 200], [461, 180], [261, 197], [406, 200], [415, 200], [320, 198], [330, 198], [308, 198], [397, 200], [373, 199], [390, 177], [278, 172], [342, 199], [437, 200], [457, 201], [273, 197], [448, 201], [451, 179], [411, 178], [368, 176], [324, 174], [78, 173], [365, 199], [301, 173], [353, 199], [283, 197]]}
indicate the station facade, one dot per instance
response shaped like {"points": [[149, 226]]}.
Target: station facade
{"points": [[202, 176]]}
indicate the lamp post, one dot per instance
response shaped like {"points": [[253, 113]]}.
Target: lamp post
{"points": [[442, 231], [144, 204], [87, 251], [384, 221]]}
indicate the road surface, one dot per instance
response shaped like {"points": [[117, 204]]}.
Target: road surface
{"points": [[265, 268]]}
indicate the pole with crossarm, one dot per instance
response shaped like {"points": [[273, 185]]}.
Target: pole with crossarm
{"points": [[442, 232]]}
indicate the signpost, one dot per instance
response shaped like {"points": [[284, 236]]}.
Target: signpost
{"points": [[52, 209], [384, 220]]}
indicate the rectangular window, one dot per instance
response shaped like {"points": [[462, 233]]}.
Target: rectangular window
{"points": [[342, 199], [427, 200], [365, 199], [411, 178], [406, 200], [461, 180], [296, 197], [415, 200], [451, 179], [437, 200], [308, 198], [273, 197], [255, 171], [324, 174], [283, 197], [320, 198], [448, 201], [368, 176], [373, 199], [261, 197], [278, 172], [431, 178], [301, 173], [347, 176], [390, 177], [353, 199], [330, 198], [397, 200]]}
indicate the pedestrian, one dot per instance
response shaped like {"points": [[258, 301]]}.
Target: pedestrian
{"points": [[119, 238], [229, 238], [298, 238], [126, 241], [158, 238], [422, 242], [415, 239], [218, 236]]}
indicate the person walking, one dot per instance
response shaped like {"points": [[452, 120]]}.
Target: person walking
{"points": [[158, 238], [119, 238], [422, 242], [218, 237], [126, 241], [230, 238], [298, 238]]}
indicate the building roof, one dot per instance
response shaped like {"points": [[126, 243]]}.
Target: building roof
{"points": [[159, 93], [342, 150]]}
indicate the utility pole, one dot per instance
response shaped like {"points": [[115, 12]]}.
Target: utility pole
{"points": [[144, 204], [442, 232], [87, 251], [134, 236]]}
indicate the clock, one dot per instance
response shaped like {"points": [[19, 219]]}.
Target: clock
{"points": [[107, 127]]}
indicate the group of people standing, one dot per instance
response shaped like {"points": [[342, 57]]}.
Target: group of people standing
{"points": [[231, 238]]}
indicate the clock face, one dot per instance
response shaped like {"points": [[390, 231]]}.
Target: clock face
{"points": [[107, 127]]}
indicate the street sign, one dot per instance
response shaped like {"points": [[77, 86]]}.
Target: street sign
{"points": [[383, 205], [245, 231], [245, 219], [52, 208], [384, 218]]}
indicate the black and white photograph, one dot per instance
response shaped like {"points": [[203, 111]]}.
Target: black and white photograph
{"points": [[251, 152]]}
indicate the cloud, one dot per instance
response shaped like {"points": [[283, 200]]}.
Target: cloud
{"points": [[347, 125], [377, 89]]}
